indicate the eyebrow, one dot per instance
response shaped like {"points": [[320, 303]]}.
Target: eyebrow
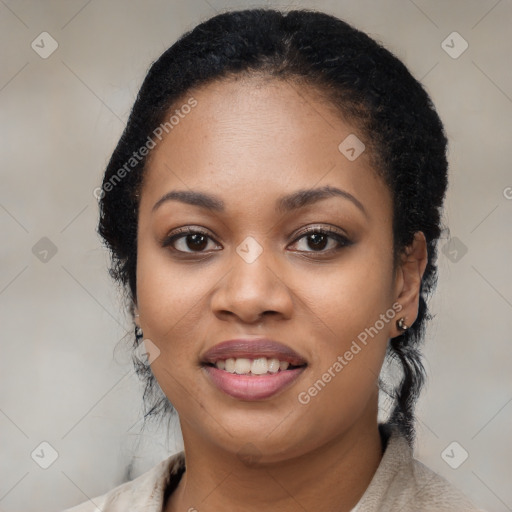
{"points": [[294, 201]]}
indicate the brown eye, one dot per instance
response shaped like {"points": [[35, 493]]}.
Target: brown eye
{"points": [[196, 242], [190, 241], [317, 241], [321, 240]]}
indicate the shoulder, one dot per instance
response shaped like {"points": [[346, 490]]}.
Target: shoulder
{"points": [[417, 484], [403, 483], [145, 492]]}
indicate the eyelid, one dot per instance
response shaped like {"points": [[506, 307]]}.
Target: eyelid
{"points": [[182, 231], [339, 235], [325, 228]]}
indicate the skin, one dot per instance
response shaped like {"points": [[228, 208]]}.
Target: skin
{"points": [[250, 142]]}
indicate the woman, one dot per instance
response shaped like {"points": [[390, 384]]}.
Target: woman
{"points": [[273, 208]]}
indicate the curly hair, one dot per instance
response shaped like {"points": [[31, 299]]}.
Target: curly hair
{"points": [[361, 79]]}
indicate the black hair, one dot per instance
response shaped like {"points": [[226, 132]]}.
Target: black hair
{"points": [[364, 81]]}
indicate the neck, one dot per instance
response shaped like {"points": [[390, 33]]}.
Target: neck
{"points": [[331, 477]]}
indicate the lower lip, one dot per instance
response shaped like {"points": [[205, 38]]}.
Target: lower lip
{"points": [[252, 387]]}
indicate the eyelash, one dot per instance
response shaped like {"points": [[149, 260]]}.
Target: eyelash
{"points": [[341, 239]]}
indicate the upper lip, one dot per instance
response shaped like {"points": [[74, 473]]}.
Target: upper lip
{"points": [[252, 349]]}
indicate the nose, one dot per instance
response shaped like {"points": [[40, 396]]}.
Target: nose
{"points": [[252, 290]]}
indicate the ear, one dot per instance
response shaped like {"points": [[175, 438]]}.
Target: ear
{"points": [[408, 280]]}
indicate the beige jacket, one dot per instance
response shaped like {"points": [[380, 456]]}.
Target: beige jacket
{"points": [[401, 483]]}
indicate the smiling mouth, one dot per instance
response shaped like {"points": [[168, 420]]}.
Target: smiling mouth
{"points": [[252, 379], [253, 367]]}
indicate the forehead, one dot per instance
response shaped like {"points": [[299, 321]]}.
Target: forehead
{"points": [[256, 138]]}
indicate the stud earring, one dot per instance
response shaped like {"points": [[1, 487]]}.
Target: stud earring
{"points": [[401, 324], [138, 333]]}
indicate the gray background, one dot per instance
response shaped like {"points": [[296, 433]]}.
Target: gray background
{"points": [[66, 374]]}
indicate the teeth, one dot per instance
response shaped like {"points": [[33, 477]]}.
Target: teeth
{"points": [[242, 365], [230, 365], [274, 365], [259, 366]]}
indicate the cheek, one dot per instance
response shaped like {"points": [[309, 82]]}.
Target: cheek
{"points": [[170, 303], [166, 289], [351, 295], [170, 299], [347, 310]]}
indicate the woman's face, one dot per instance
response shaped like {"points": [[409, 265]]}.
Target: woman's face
{"points": [[265, 153]]}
